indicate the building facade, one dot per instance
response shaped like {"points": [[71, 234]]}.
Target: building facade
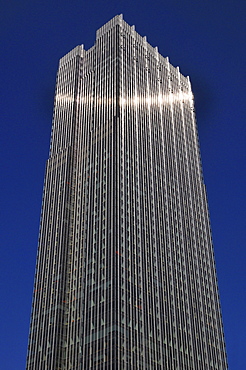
{"points": [[125, 275]]}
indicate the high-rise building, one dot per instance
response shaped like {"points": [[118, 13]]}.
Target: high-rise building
{"points": [[125, 275]]}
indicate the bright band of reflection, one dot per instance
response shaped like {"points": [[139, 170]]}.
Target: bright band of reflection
{"points": [[157, 100]]}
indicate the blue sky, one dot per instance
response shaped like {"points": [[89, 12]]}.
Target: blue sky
{"points": [[206, 39]]}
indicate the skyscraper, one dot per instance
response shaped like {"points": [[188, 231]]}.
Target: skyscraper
{"points": [[125, 275]]}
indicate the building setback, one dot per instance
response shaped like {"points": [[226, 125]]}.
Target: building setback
{"points": [[125, 274]]}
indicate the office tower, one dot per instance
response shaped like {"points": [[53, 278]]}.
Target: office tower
{"points": [[125, 275]]}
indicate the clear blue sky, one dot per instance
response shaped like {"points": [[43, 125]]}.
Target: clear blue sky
{"points": [[206, 39]]}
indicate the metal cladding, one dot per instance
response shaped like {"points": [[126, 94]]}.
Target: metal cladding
{"points": [[125, 275]]}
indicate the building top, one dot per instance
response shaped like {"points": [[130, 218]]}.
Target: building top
{"points": [[130, 30]]}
